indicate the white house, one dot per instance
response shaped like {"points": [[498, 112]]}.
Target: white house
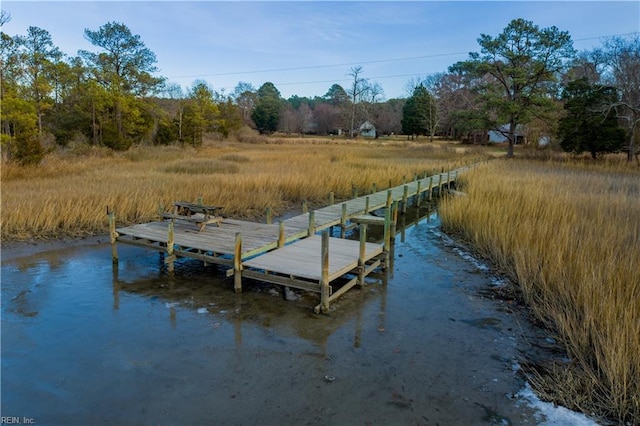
{"points": [[367, 130]]}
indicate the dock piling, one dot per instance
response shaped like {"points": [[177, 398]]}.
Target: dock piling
{"points": [[113, 235], [281, 234], [169, 260], [312, 223], [324, 282], [237, 264], [405, 198], [361, 255], [268, 215]]}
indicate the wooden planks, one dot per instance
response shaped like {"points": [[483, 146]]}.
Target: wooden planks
{"points": [[303, 258]]}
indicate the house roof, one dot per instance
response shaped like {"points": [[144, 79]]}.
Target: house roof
{"points": [[367, 126]]}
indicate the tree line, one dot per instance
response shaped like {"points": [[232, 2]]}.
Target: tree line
{"points": [[524, 78]]}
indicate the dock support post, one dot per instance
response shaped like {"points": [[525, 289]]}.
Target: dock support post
{"points": [[343, 220], [331, 198], [405, 198], [268, 214], [305, 207], [312, 223], [281, 234], [374, 188], [170, 241], [237, 264], [418, 193], [362, 254], [431, 188], [366, 205], [389, 198], [200, 201], [387, 237], [324, 282], [394, 218], [113, 235], [354, 191]]}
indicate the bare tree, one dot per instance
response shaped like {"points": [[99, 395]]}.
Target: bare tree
{"points": [[174, 91], [4, 17], [245, 97], [622, 58], [411, 84], [359, 86]]}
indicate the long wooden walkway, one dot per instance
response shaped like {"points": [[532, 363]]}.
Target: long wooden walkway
{"points": [[289, 252]]}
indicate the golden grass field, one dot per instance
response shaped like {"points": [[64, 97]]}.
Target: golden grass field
{"points": [[68, 194], [569, 235]]}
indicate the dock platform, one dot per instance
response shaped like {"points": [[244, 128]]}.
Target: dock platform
{"points": [[289, 253]]}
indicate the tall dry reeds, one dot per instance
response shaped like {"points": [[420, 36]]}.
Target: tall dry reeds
{"points": [[68, 193], [569, 235]]}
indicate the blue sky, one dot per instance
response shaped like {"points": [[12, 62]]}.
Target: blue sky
{"points": [[305, 47]]}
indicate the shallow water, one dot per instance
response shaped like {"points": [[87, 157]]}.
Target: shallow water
{"points": [[84, 343]]}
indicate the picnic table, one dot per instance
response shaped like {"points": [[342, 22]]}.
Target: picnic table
{"points": [[199, 214]]}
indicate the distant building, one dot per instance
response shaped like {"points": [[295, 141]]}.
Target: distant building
{"points": [[367, 130], [495, 136]]}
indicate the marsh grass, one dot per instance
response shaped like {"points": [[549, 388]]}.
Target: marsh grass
{"points": [[68, 194], [202, 166], [569, 235]]}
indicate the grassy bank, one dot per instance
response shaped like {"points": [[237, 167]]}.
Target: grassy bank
{"points": [[68, 193], [569, 235]]}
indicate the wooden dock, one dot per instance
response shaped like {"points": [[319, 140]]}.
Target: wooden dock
{"points": [[288, 253]]}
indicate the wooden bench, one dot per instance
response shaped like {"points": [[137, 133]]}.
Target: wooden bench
{"points": [[199, 214]]}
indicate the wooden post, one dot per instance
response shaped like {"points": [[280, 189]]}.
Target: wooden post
{"points": [[113, 235], [389, 198], [170, 241], [324, 282], [374, 188], [281, 234], [305, 207], [268, 214], [312, 223], [448, 180], [343, 220], [430, 188], [331, 198], [237, 264], [354, 191], [387, 235], [404, 179], [394, 218], [405, 197], [366, 205], [160, 210], [199, 201], [363, 252], [418, 193]]}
